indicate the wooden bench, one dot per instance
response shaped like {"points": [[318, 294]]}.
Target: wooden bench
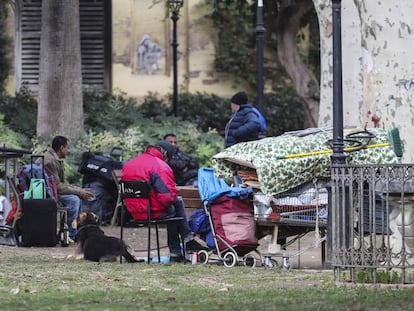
{"points": [[190, 196], [191, 199]]}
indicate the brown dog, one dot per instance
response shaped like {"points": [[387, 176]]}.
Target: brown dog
{"points": [[95, 245]]}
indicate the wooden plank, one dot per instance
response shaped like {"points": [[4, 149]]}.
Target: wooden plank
{"points": [[190, 196]]}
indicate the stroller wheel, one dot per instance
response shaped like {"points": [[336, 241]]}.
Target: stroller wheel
{"points": [[203, 257], [270, 263], [286, 263], [229, 260], [249, 261]]}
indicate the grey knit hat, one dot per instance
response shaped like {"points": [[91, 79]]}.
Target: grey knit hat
{"points": [[164, 145]]}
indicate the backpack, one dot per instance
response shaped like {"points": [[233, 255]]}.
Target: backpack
{"points": [[263, 125], [98, 166], [36, 171], [199, 222]]}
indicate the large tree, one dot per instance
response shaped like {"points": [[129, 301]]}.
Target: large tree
{"points": [[286, 62], [288, 24], [60, 109], [377, 44], [5, 62]]}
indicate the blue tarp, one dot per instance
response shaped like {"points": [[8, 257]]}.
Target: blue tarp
{"points": [[210, 188]]}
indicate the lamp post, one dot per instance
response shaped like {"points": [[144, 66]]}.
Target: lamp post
{"points": [[259, 56], [174, 7], [338, 156], [343, 223]]}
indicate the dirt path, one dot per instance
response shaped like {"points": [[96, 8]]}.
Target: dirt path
{"points": [[136, 238]]}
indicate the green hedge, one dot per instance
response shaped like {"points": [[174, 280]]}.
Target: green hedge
{"points": [[118, 120]]}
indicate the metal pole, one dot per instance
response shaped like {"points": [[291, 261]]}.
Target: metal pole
{"points": [[174, 44], [338, 156], [259, 56]]}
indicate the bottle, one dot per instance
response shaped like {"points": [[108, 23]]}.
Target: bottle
{"points": [[64, 234]]}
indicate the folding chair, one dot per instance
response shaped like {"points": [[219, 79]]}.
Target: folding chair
{"points": [[117, 176], [141, 189], [18, 198]]}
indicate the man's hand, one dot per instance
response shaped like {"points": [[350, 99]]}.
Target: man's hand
{"points": [[87, 194]]}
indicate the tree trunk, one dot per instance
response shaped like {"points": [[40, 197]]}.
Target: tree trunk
{"points": [[324, 10], [304, 80], [388, 66], [60, 108], [351, 64], [377, 44]]}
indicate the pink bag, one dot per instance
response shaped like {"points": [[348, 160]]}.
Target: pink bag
{"points": [[233, 220]]}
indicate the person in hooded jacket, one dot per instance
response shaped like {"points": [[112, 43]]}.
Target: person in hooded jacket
{"points": [[185, 168], [244, 124], [151, 166]]}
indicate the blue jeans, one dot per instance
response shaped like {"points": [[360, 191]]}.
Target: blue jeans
{"points": [[74, 205], [177, 231]]}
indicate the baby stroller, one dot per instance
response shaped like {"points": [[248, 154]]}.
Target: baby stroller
{"points": [[233, 228]]}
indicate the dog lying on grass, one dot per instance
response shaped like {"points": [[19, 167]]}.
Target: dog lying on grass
{"points": [[95, 245]]}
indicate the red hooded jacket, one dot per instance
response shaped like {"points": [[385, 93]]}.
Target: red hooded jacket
{"points": [[149, 166]]}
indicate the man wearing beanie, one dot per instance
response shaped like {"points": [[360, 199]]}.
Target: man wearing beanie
{"points": [[151, 166], [244, 124]]}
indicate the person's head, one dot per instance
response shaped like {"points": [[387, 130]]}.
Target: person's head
{"points": [[171, 138], [60, 145], [166, 149], [238, 99]]}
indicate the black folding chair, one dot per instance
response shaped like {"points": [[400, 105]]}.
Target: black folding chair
{"points": [[141, 189]]}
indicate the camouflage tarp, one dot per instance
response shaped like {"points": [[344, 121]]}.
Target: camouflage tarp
{"points": [[283, 162]]}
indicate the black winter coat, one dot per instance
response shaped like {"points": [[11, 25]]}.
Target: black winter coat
{"points": [[243, 126], [185, 168]]}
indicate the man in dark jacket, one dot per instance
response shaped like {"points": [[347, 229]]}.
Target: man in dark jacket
{"points": [[185, 168], [151, 166], [244, 124]]}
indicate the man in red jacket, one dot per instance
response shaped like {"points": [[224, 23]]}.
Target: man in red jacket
{"points": [[151, 166]]}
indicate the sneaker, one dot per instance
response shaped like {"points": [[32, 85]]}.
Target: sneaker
{"points": [[194, 246]]}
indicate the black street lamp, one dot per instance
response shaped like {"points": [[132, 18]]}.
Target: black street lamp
{"points": [[175, 6], [259, 56], [338, 156]]}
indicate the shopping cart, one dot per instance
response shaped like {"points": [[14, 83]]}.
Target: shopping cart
{"points": [[292, 214]]}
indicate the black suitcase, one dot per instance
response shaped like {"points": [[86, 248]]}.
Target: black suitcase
{"points": [[39, 222]]}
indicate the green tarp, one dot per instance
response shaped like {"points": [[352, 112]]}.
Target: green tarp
{"points": [[287, 161]]}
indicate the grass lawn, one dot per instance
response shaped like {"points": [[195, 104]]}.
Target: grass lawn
{"points": [[41, 282]]}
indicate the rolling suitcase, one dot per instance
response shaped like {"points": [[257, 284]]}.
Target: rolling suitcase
{"points": [[39, 221]]}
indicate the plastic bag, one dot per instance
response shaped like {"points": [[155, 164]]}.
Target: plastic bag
{"points": [[37, 189]]}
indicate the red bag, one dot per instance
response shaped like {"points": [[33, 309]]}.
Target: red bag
{"points": [[233, 221]]}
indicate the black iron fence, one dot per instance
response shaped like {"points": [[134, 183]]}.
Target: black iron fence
{"points": [[372, 223]]}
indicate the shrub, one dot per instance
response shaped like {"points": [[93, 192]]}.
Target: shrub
{"points": [[20, 112], [8, 137], [115, 120], [105, 111], [284, 111]]}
